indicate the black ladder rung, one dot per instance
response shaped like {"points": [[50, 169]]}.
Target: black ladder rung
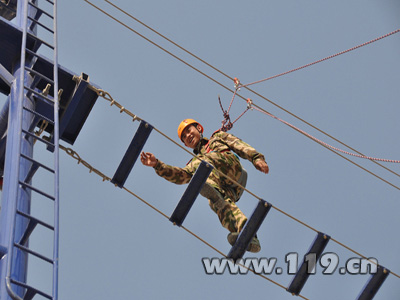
{"points": [[41, 10], [37, 190], [51, 2], [40, 40], [34, 253], [41, 24], [31, 291], [132, 153], [250, 230], [44, 224], [40, 75], [374, 283], [39, 94], [192, 191], [38, 138], [316, 248], [37, 163], [39, 115]]}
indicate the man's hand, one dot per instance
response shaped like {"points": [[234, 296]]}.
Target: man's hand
{"points": [[148, 159], [262, 166]]}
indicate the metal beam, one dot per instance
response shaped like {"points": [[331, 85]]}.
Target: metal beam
{"points": [[6, 76], [11, 227]]}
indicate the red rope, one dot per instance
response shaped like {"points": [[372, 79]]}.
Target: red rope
{"points": [[326, 58], [325, 144]]}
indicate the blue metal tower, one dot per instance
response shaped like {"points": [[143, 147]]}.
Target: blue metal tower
{"points": [[42, 95]]}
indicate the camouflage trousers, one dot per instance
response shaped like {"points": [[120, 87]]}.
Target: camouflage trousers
{"points": [[229, 214], [223, 204]]}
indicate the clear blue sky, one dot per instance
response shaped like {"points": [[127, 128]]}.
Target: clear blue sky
{"points": [[115, 247]]}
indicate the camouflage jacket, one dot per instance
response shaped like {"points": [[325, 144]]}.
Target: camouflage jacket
{"points": [[218, 151]]}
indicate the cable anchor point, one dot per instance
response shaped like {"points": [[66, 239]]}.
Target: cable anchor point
{"points": [[249, 103], [236, 81]]}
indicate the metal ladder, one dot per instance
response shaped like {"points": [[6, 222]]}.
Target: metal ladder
{"points": [[26, 89]]}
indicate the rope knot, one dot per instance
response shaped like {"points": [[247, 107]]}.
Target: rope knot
{"points": [[226, 123], [226, 116]]}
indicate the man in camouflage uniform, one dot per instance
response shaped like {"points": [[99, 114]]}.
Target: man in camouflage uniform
{"points": [[221, 192]]}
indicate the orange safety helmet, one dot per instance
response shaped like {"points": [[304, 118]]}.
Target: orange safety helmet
{"points": [[185, 123]]}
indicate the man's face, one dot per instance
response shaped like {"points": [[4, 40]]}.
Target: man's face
{"points": [[191, 136]]}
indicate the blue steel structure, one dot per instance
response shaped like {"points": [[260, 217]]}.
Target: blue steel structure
{"points": [[44, 95], [16, 222]]}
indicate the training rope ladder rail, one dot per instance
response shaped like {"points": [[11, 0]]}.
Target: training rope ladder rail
{"points": [[108, 97], [134, 117]]}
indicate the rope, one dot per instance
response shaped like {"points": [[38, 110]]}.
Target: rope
{"points": [[231, 78], [229, 125], [155, 44], [327, 145], [324, 59], [76, 156], [169, 40], [251, 193], [349, 160], [226, 122]]}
